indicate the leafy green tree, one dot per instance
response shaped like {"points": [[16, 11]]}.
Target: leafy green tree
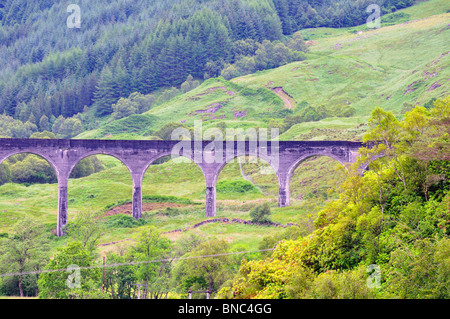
{"points": [[297, 43], [33, 170], [44, 124], [122, 79], [144, 102], [151, 246], [124, 108], [187, 243], [165, 133], [55, 283], [230, 72], [341, 285], [414, 272], [43, 135], [261, 214], [434, 142], [189, 84], [442, 259], [200, 271], [86, 228], [119, 280], [106, 94], [5, 174], [276, 124], [87, 167], [385, 128], [70, 128], [24, 250], [58, 123]]}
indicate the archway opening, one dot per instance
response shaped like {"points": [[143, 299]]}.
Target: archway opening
{"points": [[173, 194], [28, 186], [180, 178], [99, 183], [246, 182], [316, 180]]}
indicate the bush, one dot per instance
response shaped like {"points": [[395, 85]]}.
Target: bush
{"points": [[261, 214], [123, 221], [236, 186], [32, 170], [165, 133], [123, 108], [87, 167], [5, 173]]}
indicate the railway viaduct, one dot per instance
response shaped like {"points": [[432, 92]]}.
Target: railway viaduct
{"points": [[211, 157]]}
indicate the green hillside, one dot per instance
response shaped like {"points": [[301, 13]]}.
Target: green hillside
{"points": [[329, 96], [394, 67], [390, 67]]}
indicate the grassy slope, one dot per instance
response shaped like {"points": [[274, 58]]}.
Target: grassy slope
{"points": [[384, 67], [374, 68], [343, 67]]}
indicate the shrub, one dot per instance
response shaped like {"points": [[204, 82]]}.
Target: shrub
{"points": [[165, 133], [261, 214], [236, 186], [123, 221], [5, 173], [87, 167]]}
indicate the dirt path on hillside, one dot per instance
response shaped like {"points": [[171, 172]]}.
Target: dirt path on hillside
{"points": [[284, 96]]}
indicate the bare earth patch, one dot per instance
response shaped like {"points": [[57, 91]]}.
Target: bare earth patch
{"points": [[284, 96]]}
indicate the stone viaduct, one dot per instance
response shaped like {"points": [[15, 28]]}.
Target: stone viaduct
{"points": [[211, 157]]}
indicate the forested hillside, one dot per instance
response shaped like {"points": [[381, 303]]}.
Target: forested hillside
{"points": [[311, 68], [48, 69]]}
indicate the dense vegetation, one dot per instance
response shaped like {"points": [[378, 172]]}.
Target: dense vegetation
{"points": [[139, 70], [49, 70], [395, 219]]}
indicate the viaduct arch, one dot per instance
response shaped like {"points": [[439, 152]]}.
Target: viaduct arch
{"points": [[211, 157]]}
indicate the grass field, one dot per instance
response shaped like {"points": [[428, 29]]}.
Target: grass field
{"points": [[180, 180], [403, 63]]}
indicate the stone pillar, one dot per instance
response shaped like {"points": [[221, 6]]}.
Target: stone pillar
{"points": [[284, 197], [62, 204], [211, 201], [137, 196]]}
